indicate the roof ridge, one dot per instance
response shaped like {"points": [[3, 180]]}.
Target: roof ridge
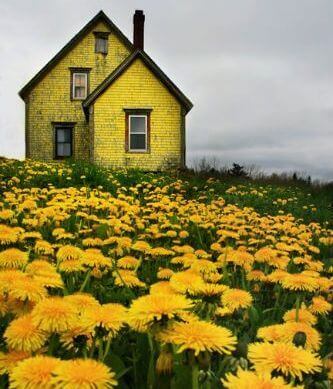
{"points": [[123, 66], [54, 60]]}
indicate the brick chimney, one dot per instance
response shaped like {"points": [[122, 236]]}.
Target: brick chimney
{"points": [[138, 21]]}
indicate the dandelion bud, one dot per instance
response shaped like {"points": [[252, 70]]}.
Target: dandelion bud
{"points": [[256, 288], [164, 363]]}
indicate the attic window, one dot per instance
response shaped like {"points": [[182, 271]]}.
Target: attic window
{"points": [[79, 83], [101, 42]]}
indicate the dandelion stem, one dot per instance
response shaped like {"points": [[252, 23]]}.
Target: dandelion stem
{"points": [[100, 350], [298, 302], [107, 347], [151, 375], [85, 282], [195, 376]]}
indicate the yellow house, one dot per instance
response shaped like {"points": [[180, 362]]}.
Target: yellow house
{"points": [[103, 99]]}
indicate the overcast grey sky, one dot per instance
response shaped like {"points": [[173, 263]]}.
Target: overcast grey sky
{"points": [[259, 72]]}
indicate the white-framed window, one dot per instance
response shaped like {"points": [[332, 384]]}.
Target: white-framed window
{"points": [[79, 85], [137, 128]]}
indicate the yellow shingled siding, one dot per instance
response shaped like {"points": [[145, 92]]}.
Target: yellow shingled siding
{"points": [[49, 101], [137, 88]]}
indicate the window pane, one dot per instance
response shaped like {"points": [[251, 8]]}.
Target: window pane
{"points": [[101, 45], [60, 135], [137, 124], [63, 149], [63, 135], [138, 142], [80, 92], [80, 79]]}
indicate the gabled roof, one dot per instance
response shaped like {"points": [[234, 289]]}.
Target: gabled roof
{"points": [[101, 16], [187, 104]]}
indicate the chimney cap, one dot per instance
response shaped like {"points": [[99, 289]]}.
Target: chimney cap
{"points": [[138, 12]]}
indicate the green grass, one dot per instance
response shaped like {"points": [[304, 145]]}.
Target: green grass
{"points": [[311, 203]]}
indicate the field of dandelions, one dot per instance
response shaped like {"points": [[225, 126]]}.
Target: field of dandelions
{"points": [[154, 281]]}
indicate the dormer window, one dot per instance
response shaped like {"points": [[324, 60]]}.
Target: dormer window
{"points": [[79, 83], [101, 42]]}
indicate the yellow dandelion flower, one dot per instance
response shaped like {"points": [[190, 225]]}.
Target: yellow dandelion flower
{"points": [[50, 279], [212, 277], [245, 379], [208, 289], [22, 335], [223, 311], [164, 274], [127, 277], [186, 260], [141, 246], [265, 254], [76, 335], [183, 234], [6, 214], [304, 316], [199, 336], [128, 262], [320, 306], [236, 298], [39, 266], [43, 247], [239, 257], [8, 235], [160, 252], [83, 374], [31, 235], [204, 266], [95, 258], [148, 309], [92, 242], [69, 252], [71, 266], [110, 316], [186, 281], [256, 275], [162, 287], [13, 259], [186, 249], [82, 301], [270, 333], [299, 281], [277, 276], [54, 314], [284, 358], [27, 289], [34, 373], [9, 360], [10, 277], [290, 329]]}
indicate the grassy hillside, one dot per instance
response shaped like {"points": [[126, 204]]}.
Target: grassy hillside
{"points": [[173, 280]]}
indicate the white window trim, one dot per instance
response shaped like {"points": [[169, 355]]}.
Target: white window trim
{"points": [[145, 132], [86, 85]]}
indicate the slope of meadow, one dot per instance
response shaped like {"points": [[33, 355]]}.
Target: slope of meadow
{"points": [[157, 280]]}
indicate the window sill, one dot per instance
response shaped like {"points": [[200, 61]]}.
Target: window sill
{"points": [[138, 151]]}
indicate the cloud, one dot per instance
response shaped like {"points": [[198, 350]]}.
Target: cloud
{"points": [[258, 71]]}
